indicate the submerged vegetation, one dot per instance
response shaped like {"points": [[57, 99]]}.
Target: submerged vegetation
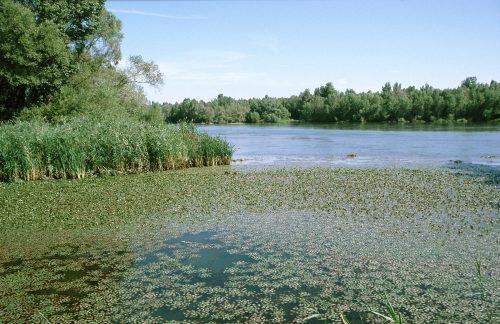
{"points": [[203, 245], [83, 146], [471, 101]]}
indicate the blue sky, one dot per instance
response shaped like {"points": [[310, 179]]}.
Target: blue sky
{"points": [[252, 48]]}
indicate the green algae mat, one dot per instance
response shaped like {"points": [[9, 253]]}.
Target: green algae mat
{"points": [[216, 245]]}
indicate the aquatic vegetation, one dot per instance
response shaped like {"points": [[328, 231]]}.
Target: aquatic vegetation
{"points": [[86, 146], [203, 245], [393, 317]]}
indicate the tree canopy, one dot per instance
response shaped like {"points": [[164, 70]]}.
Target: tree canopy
{"points": [[471, 101], [59, 57]]}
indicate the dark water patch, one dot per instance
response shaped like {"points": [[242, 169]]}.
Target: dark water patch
{"points": [[64, 252], [73, 293], [169, 246], [203, 252], [64, 257], [168, 314], [71, 275], [355, 317], [217, 259], [13, 263], [204, 237], [57, 277], [489, 174]]}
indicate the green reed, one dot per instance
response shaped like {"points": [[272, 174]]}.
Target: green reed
{"points": [[86, 146]]}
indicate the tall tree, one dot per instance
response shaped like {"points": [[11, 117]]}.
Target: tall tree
{"points": [[43, 43], [34, 58]]}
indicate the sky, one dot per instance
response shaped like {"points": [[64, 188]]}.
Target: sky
{"points": [[247, 48]]}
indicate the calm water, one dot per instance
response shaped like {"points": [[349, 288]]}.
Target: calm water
{"points": [[373, 145]]}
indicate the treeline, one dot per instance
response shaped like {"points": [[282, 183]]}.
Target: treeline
{"points": [[471, 101]]}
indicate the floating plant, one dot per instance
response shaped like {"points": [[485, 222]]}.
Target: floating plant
{"points": [[310, 245]]}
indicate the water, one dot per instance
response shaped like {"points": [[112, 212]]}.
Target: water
{"points": [[276, 268], [339, 245], [372, 145]]}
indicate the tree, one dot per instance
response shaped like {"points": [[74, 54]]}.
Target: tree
{"points": [[469, 83], [142, 72], [44, 43], [34, 59], [81, 21], [252, 117]]}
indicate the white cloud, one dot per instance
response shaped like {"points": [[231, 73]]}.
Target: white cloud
{"points": [[217, 77], [212, 66], [201, 73], [154, 14], [204, 73]]}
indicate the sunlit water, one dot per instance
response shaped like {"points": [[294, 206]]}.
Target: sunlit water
{"points": [[360, 145]]}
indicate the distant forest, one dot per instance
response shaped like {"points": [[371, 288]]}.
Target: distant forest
{"points": [[471, 101]]}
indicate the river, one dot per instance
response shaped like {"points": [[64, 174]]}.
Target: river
{"points": [[360, 145]]}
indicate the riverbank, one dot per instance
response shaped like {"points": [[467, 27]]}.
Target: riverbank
{"points": [[213, 244], [84, 146]]}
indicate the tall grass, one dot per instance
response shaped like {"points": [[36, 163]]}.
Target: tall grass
{"points": [[76, 148]]}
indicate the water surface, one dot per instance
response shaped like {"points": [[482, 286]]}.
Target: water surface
{"points": [[288, 245], [360, 145]]}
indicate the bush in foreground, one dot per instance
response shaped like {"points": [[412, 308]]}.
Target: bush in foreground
{"points": [[84, 146]]}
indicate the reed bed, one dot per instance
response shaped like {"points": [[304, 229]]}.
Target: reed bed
{"points": [[77, 148]]}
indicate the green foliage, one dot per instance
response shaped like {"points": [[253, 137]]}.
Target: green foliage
{"points": [[271, 110], [35, 59], [471, 101], [227, 110], [44, 44], [153, 114], [219, 111], [252, 117], [85, 146], [392, 317], [93, 92], [80, 21], [59, 59], [392, 313], [140, 71]]}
